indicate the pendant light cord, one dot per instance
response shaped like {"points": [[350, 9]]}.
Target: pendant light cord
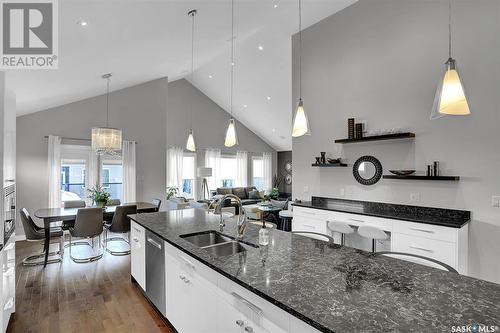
{"points": [[449, 28], [232, 58], [300, 49], [107, 101], [193, 14]]}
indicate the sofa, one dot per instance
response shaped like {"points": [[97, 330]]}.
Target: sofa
{"points": [[241, 192]]}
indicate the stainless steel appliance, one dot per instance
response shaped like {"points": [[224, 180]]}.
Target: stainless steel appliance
{"points": [[155, 271], [9, 207]]}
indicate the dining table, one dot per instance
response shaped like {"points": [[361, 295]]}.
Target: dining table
{"points": [[54, 215]]}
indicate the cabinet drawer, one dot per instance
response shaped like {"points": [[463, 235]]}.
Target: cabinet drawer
{"points": [[430, 248], [301, 223], [359, 220], [310, 212], [259, 311], [426, 230]]}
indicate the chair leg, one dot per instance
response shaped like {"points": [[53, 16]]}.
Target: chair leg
{"points": [[86, 243], [374, 241], [32, 260], [116, 239]]}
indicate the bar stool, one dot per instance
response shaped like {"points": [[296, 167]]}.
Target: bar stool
{"points": [[286, 217], [375, 233], [342, 228]]}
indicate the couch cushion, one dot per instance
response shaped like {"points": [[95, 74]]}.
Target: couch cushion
{"points": [[249, 189], [240, 192], [224, 190], [249, 201], [254, 195]]}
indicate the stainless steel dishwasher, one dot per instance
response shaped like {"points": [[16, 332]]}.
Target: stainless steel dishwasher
{"points": [[155, 271]]}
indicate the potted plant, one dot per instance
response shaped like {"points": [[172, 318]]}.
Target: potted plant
{"points": [[99, 196], [172, 192]]}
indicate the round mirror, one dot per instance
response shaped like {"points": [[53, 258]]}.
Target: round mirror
{"points": [[288, 166], [288, 179], [367, 170]]}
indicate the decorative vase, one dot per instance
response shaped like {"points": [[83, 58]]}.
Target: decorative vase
{"points": [[323, 157], [100, 204]]}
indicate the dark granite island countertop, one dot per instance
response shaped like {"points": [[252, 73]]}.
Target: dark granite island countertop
{"points": [[338, 289], [429, 215]]}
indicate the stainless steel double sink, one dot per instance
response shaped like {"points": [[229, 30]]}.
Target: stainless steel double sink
{"points": [[216, 243]]}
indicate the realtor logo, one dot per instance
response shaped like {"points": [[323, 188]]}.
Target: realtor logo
{"points": [[29, 34]]}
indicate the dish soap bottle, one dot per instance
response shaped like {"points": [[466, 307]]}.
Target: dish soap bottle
{"points": [[263, 235]]}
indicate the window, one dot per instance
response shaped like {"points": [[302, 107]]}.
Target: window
{"points": [[188, 176], [73, 180], [228, 170], [258, 173], [112, 176]]}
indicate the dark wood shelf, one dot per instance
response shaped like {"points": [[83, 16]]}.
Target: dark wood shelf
{"points": [[395, 136], [416, 177], [336, 165]]}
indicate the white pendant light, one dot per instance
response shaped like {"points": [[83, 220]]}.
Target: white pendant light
{"points": [[190, 145], [450, 96], [231, 139], [300, 121], [107, 140]]}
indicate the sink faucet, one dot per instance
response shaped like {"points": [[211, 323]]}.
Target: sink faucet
{"points": [[241, 222]]}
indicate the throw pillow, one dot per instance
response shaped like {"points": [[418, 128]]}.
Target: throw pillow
{"points": [[254, 195]]}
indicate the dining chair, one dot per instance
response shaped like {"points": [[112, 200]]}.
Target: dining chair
{"points": [[114, 202], [374, 233], [157, 203], [88, 225], [72, 204], [119, 224], [35, 233]]}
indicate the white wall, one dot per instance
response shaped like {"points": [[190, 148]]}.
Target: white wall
{"points": [[140, 111], [209, 123], [380, 60]]}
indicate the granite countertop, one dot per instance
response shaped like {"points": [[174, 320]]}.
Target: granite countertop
{"points": [[428, 215], [338, 289]]}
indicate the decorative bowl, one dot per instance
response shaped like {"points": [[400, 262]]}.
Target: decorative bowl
{"points": [[333, 160], [402, 172]]}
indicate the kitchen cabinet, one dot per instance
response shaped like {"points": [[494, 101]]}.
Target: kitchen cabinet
{"points": [[138, 254], [8, 257]]}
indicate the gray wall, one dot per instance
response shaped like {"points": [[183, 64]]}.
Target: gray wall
{"points": [[380, 61], [209, 123], [140, 111]]}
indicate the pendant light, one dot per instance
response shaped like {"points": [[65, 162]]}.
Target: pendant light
{"points": [[190, 145], [450, 96], [300, 121], [107, 140], [231, 135]]}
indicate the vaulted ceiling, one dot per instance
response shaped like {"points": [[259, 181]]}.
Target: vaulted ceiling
{"points": [[139, 40]]}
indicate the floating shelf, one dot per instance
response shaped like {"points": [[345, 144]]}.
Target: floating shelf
{"points": [[406, 135], [415, 177], [336, 165]]}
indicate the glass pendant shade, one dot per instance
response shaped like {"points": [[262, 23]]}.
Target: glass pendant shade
{"points": [[190, 145], [231, 136], [450, 96], [106, 140], [300, 121]]}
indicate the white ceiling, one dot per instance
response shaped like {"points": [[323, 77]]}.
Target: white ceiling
{"points": [[140, 40]]}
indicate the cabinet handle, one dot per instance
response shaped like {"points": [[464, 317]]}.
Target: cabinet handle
{"points": [[9, 304], [248, 329], [187, 262], [310, 213], [423, 230], [356, 220], [309, 226], [136, 239], [182, 277], [186, 280], [252, 306], [137, 230], [421, 249], [154, 243], [240, 322]]}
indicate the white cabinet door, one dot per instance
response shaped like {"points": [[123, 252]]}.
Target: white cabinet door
{"points": [[176, 289], [138, 254], [230, 320]]}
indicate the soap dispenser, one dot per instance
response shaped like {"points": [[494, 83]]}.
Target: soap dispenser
{"points": [[263, 235]]}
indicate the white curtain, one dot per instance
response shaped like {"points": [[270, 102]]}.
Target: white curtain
{"points": [[92, 174], [129, 171], [241, 168], [54, 171], [212, 160], [174, 167], [267, 159]]}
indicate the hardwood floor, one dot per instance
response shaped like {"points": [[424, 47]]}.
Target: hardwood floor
{"points": [[70, 297]]}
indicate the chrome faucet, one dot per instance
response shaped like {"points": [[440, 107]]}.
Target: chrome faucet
{"points": [[242, 220]]}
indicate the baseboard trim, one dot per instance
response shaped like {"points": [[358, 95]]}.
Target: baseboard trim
{"points": [[20, 238]]}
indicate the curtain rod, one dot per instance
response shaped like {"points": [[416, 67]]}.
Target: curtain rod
{"points": [[75, 139]]}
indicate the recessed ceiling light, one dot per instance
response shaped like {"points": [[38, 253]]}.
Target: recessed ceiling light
{"points": [[245, 106], [261, 48], [275, 6], [274, 129], [82, 23], [268, 98], [210, 77]]}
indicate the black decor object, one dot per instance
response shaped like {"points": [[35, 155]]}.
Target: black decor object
{"points": [[402, 172], [323, 157], [329, 165], [318, 160], [359, 131], [417, 177], [363, 179], [394, 136], [350, 128]]}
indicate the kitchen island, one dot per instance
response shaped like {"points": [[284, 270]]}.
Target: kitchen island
{"points": [[297, 284]]}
